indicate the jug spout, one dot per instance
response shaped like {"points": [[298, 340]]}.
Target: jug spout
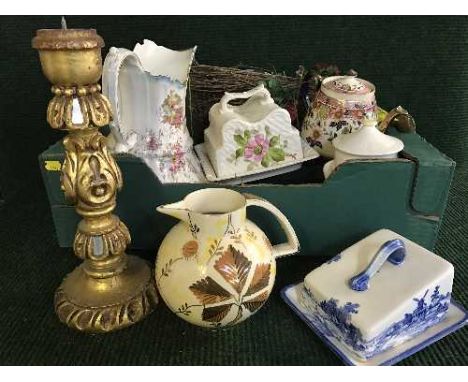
{"points": [[177, 210]]}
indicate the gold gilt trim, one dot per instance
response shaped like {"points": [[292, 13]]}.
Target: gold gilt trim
{"points": [[100, 177], [103, 244], [95, 108], [109, 290], [106, 318], [67, 39]]}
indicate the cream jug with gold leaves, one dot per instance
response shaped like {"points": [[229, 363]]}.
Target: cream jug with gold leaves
{"points": [[215, 267]]}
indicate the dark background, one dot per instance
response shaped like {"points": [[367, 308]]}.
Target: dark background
{"points": [[418, 62]]}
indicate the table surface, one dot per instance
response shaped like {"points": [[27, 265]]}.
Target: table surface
{"points": [[33, 267]]}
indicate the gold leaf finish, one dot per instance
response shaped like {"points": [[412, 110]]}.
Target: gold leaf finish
{"points": [[95, 318], [99, 176], [256, 302], [209, 291], [67, 39], [216, 313], [260, 279], [110, 290], [94, 108], [102, 245], [234, 267]]}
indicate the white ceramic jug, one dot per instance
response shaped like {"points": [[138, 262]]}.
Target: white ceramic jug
{"points": [[215, 267], [147, 89]]}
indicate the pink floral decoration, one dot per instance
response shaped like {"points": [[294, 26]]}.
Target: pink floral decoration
{"points": [[173, 110], [177, 158], [257, 147]]}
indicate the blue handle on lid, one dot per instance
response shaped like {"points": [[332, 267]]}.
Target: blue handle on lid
{"points": [[393, 250]]}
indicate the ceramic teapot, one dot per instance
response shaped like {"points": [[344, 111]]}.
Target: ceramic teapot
{"points": [[215, 267], [339, 107]]}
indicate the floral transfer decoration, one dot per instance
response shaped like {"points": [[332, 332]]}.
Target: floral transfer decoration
{"points": [[325, 124], [259, 148], [234, 267], [177, 158], [327, 118], [169, 154], [190, 249], [315, 136], [350, 86], [152, 143], [173, 110], [333, 320]]}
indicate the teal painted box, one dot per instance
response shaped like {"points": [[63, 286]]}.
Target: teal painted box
{"points": [[407, 195]]}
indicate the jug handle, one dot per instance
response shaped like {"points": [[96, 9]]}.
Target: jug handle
{"points": [[292, 246], [259, 91]]}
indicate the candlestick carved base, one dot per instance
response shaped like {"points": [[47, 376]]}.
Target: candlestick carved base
{"points": [[101, 305], [110, 290]]}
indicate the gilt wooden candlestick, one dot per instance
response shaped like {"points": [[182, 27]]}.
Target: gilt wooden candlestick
{"points": [[109, 290]]}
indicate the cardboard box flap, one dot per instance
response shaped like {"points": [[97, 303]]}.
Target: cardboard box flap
{"points": [[434, 173]]}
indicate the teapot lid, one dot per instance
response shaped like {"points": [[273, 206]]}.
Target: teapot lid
{"points": [[347, 88], [368, 141]]}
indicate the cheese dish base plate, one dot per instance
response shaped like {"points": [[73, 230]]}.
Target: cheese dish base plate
{"points": [[250, 176], [456, 317]]}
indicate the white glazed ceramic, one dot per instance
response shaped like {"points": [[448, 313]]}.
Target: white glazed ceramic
{"points": [[255, 174], [455, 319], [147, 90], [215, 267], [378, 293], [367, 143], [339, 107], [253, 137], [328, 168], [124, 84]]}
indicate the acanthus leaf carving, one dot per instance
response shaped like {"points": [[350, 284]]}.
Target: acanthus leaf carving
{"points": [[95, 109], [100, 177]]}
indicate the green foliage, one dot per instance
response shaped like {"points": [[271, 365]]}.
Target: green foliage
{"points": [[276, 153], [240, 140], [274, 141], [266, 160], [281, 95]]}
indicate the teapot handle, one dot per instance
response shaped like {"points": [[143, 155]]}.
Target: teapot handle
{"points": [[259, 91], [292, 246], [399, 117]]}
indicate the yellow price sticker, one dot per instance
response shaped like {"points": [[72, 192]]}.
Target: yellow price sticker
{"points": [[53, 165]]}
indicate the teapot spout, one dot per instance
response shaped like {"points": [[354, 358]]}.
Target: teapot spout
{"points": [[177, 210]]}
